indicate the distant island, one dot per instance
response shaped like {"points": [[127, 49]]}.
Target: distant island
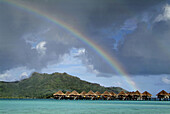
{"points": [[45, 85]]}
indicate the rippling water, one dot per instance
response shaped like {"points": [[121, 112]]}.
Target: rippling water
{"points": [[84, 107]]}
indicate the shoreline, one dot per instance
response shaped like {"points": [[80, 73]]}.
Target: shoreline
{"points": [[74, 100]]}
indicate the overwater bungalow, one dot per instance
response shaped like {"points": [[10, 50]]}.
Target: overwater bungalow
{"points": [[98, 95], [67, 95], [113, 95], [137, 95], [90, 95], [74, 95], [122, 95], [163, 95], [130, 95], [146, 96], [106, 95], [59, 95], [82, 95]]}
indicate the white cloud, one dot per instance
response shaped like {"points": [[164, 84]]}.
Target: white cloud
{"points": [[41, 48], [69, 59], [5, 76], [91, 69], [166, 14], [166, 80], [81, 51], [23, 75], [77, 52], [117, 84], [15, 74]]}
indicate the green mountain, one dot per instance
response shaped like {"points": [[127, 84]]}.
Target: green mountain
{"points": [[44, 85]]}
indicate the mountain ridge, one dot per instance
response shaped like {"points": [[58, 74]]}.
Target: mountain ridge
{"points": [[43, 85]]}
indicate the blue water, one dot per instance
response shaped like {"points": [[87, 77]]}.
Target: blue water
{"points": [[83, 107]]}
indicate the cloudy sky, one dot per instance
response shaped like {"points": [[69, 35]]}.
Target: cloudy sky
{"points": [[134, 32]]}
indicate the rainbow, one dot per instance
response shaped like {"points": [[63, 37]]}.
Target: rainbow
{"points": [[112, 61]]}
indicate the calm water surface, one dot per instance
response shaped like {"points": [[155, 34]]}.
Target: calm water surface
{"points": [[83, 107]]}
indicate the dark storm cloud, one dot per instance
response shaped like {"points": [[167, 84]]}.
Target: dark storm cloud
{"points": [[14, 51], [93, 14], [115, 12], [137, 53], [146, 50], [22, 31]]}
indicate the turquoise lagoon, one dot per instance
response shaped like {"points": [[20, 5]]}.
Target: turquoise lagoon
{"points": [[83, 107]]}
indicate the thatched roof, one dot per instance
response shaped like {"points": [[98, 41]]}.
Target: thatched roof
{"points": [[67, 93], [97, 93], [112, 93], [122, 93], [59, 93], [83, 93], [163, 93], [106, 93], [130, 93], [74, 93], [146, 94], [90, 93], [137, 93]]}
